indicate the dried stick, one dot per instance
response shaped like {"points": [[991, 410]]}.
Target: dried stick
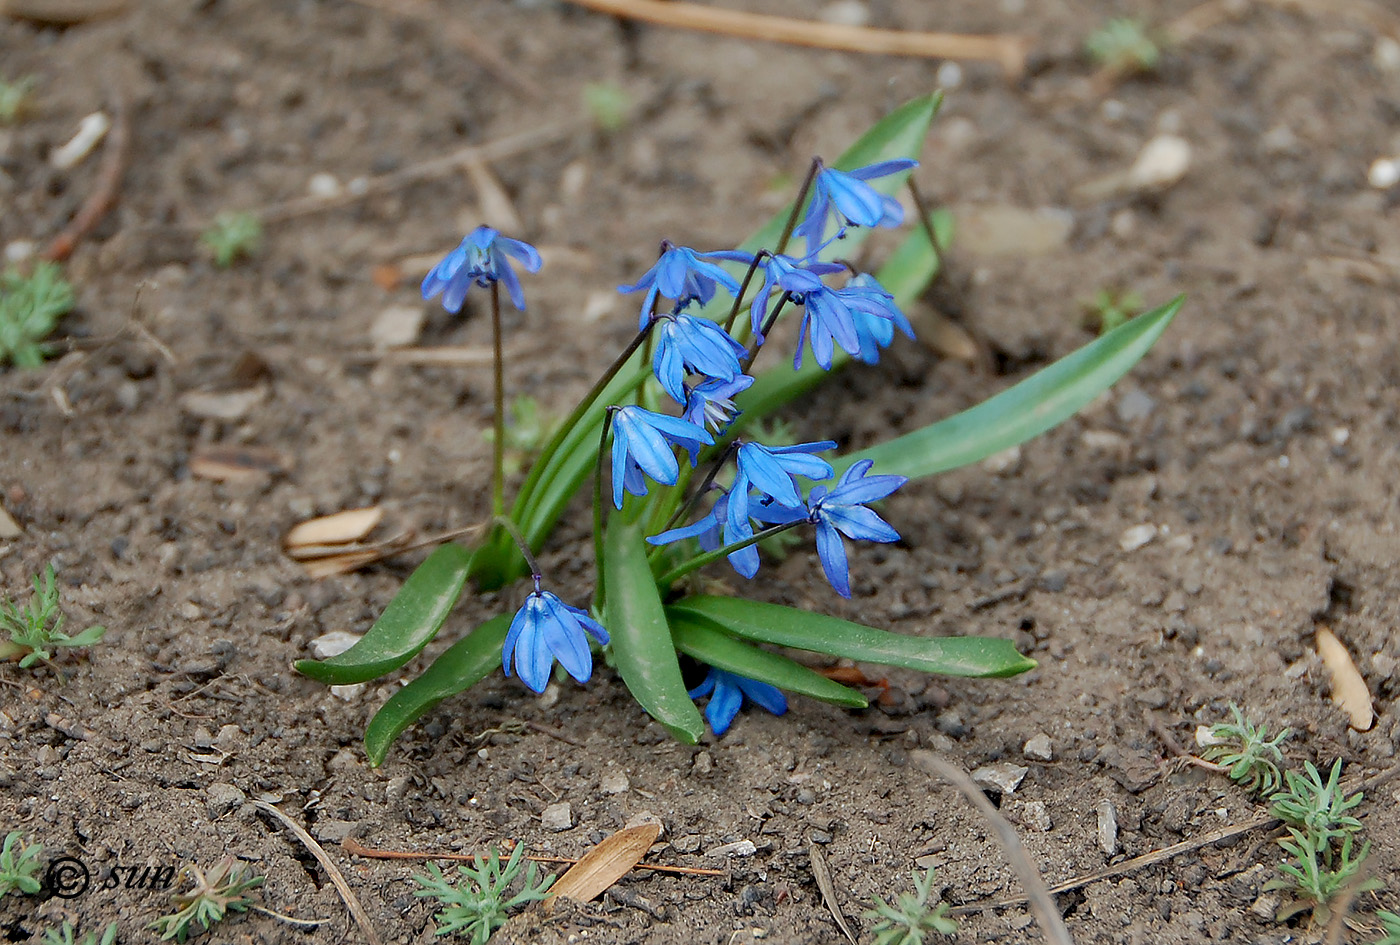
{"points": [[1007, 50], [356, 848], [61, 12], [103, 196], [1046, 912], [347, 895]]}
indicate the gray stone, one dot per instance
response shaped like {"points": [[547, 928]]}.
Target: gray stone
{"points": [[615, 782], [1036, 816], [737, 848], [1002, 776], [1038, 748], [1108, 827], [221, 798], [557, 817]]}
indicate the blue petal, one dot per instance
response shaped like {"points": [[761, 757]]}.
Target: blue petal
{"points": [[517, 627], [517, 294], [619, 463], [533, 659], [762, 694], [855, 200], [529, 257], [883, 168], [706, 687], [859, 523], [833, 556], [768, 475], [724, 706], [566, 641]]}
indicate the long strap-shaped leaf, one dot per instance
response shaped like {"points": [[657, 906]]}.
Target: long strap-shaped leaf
{"points": [[408, 624], [787, 626], [463, 665], [1026, 410], [642, 648], [701, 641]]}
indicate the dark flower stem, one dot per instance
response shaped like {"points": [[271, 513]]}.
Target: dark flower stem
{"points": [[504, 523], [797, 205], [686, 507], [758, 257], [680, 571], [498, 448], [767, 327], [925, 217], [598, 509]]}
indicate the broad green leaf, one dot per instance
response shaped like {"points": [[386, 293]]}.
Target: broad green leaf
{"points": [[463, 665], [408, 624], [699, 640], [787, 626], [642, 649], [88, 637], [1026, 410]]}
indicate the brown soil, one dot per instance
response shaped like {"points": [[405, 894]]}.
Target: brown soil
{"points": [[1259, 437]]}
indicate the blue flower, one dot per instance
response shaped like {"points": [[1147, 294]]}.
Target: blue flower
{"points": [[876, 316], [684, 275], [770, 469], [712, 403], [727, 692], [826, 319], [545, 629], [684, 344], [796, 277], [643, 442], [856, 202], [480, 258], [842, 511], [710, 529]]}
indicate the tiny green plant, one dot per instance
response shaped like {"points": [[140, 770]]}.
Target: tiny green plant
{"points": [[36, 630], [233, 236], [907, 922], [1110, 308], [1315, 805], [607, 104], [15, 98], [1316, 872], [1390, 928], [1247, 753], [479, 905], [30, 307], [19, 865], [67, 935], [1124, 45], [210, 901]]}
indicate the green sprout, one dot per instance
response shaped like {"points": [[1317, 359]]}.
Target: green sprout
{"points": [[37, 629], [1317, 873], [607, 103], [1124, 45], [908, 922], [1110, 308], [1316, 806], [479, 906], [232, 235], [19, 865], [1390, 926], [30, 308], [67, 936], [1249, 755], [212, 899], [14, 99], [526, 431]]}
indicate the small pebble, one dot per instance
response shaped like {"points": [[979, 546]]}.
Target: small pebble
{"points": [[349, 693], [1384, 173], [1134, 538], [1004, 463], [557, 817], [703, 763], [333, 644], [950, 724], [1036, 816], [1108, 827], [323, 185], [738, 848], [690, 843], [845, 13], [220, 798], [1135, 405], [1039, 748], [615, 782], [1002, 776], [1162, 162]]}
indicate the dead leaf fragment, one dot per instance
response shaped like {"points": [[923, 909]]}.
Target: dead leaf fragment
{"points": [[228, 406], [822, 875], [339, 528], [238, 463], [1348, 687], [9, 528], [605, 864]]}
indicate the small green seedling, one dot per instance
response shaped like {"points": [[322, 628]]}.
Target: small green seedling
{"points": [[233, 236], [212, 899], [1390, 928], [1317, 873], [1249, 755], [1111, 308], [479, 906], [19, 865], [607, 104], [67, 935], [14, 99], [908, 922], [30, 307], [1124, 45], [1316, 806], [37, 629]]}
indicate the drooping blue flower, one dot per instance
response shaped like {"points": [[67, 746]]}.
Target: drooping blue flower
{"points": [[842, 511], [856, 203], [794, 276], [481, 258], [546, 629], [876, 316], [684, 275], [712, 403], [709, 530], [727, 692], [770, 469], [643, 442], [827, 320], [686, 344]]}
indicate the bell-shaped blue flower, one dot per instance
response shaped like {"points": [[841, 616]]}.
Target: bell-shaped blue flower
{"points": [[770, 471], [712, 403], [685, 276], [793, 276], [710, 530], [483, 258], [856, 203], [546, 629], [643, 442], [875, 314], [827, 320], [842, 511], [727, 692], [686, 344]]}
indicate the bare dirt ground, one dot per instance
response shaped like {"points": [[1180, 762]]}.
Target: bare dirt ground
{"points": [[1259, 438]]}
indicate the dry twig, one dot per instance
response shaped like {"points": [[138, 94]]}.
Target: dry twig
{"points": [[352, 846], [104, 195]]}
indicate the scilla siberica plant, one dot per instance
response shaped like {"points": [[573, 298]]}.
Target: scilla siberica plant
{"points": [[678, 483]]}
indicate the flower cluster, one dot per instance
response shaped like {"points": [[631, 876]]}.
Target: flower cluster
{"points": [[703, 368]]}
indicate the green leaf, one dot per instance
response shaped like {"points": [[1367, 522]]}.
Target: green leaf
{"points": [[710, 646], [787, 626], [1026, 410], [408, 624], [463, 665], [642, 649], [88, 637]]}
